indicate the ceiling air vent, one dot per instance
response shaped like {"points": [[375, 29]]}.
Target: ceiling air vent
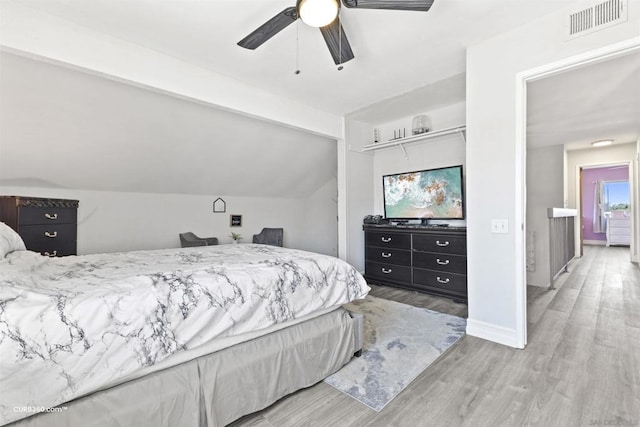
{"points": [[597, 17]]}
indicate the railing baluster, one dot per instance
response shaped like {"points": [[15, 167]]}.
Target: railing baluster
{"points": [[561, 241]]}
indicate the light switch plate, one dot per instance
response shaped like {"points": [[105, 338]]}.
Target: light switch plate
{"points": [[500, 226]]}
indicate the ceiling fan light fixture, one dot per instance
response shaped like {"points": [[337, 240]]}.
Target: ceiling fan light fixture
{"points": [[318, 13], [602, 143]]}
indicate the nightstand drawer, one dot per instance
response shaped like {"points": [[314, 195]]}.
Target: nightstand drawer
{"points": [[49, 215], [56, 249], [389, 256], [388, 272], [388, 240], [440, 262], [441, 243], [441, 280], [60, 238]]}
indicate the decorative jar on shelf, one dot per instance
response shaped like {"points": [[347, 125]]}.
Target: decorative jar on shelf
{"points": [[421, 124]]}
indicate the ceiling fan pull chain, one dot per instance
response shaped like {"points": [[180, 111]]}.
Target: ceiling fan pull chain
{"points": [[340, 67], [297, 48]]}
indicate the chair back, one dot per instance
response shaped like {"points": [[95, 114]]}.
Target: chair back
{"points": [[189, 239], [270, 236]]}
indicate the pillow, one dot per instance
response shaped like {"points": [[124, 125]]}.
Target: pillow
{"points": [[9, 240]]}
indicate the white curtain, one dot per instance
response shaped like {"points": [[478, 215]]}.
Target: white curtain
{"points": [[599, 220]]}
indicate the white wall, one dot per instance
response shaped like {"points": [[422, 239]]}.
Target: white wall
{"points": [[364, 170], [319, 224], [118, 221], [545, 189], [358, 167], [441, 118], [495, 166], [635, 226]]}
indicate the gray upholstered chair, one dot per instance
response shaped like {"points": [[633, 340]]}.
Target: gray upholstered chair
{"points": [[269, 236], [189, 239]]}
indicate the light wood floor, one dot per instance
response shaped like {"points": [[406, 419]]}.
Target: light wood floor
{"points": [[580, 368]]}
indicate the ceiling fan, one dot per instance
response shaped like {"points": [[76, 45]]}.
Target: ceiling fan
{"points": [[324, 15]]}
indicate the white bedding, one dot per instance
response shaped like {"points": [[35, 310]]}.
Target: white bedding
{"points": [[68, 326]]}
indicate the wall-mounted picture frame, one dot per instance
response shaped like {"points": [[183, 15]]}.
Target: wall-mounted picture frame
{"points": [[219, 205], [235, 221]]}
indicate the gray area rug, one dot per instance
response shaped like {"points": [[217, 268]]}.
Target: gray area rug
{"points": [[400, 341]]}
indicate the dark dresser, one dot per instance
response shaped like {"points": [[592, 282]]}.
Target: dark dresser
{"points": [[428, 259], [48, 226]]}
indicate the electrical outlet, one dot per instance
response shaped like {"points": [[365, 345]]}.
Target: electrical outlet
{"points": [[500, 226]]}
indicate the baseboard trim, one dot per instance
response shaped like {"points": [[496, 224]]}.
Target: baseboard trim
{"points": [[595, 242], [490, 332]]}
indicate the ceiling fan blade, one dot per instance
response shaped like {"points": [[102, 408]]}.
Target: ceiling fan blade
{"points": [[337, 42], [417, 5], [270, 28]]}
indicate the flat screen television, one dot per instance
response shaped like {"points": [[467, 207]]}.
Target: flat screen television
{"points": [[426, 194]]}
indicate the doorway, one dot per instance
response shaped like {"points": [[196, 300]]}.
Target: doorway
{"points": [[605, 193], [579, 62]]}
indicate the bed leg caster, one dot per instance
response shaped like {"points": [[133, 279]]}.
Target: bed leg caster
{"points": [[358, 353]]}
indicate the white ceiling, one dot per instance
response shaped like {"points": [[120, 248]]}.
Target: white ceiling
{"points": [[395, 51], [575, 108]]}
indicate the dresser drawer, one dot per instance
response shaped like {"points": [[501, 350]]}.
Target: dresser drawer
{"points": [[60, 238], [389, 256], [421, 258], [620, 240], [440, 262], [388, 272], [449, 282], [388, 240], [441, 243], [49, 215], [619, 230]]}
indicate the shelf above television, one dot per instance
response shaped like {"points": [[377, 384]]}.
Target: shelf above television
{"points": [[415, 138]]}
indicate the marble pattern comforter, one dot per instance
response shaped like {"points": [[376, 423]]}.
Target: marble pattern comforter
{"points": [[70, 325]]}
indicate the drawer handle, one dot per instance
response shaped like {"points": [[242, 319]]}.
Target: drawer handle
{"points": [[51, 235], [439, 243], [445, 281], [386, 270], [386, 239], [52, 254], [51, 216], [445, 262], [386, 254]]}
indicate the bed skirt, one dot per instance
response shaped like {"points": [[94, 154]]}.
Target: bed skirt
{"points": [[216, 389]]}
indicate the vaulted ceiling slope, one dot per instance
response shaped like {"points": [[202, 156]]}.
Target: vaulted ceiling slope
{"points": [[577, 107], [68, 129]]}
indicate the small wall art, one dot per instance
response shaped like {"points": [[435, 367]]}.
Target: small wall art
{"points": [[219, 205], [236, 221]]}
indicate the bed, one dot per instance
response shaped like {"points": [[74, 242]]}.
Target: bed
{"points": [[191, 337]]}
